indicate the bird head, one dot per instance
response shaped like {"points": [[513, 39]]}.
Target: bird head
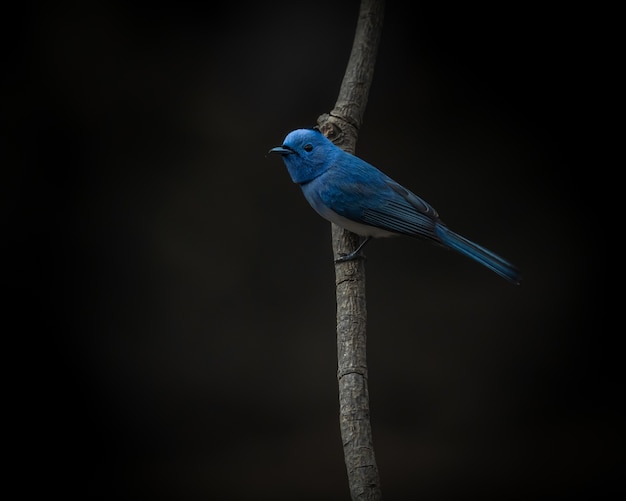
{"points": [[307, 153]]}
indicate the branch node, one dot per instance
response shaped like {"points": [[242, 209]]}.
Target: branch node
{"points": [[339, 129], [360, 370]]}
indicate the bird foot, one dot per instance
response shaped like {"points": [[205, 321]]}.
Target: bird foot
{"points": [[349, 257]]}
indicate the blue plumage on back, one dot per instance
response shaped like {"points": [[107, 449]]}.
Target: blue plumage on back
{"points": [[357, 196]]}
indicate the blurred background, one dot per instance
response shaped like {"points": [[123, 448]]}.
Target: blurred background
{"points": [[171, 327]]}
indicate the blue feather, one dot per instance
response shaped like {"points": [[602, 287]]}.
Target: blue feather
{"points": [[355, 195], [478, 253]]}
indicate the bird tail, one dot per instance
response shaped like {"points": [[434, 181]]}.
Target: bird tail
{"points": [[480, 254]]}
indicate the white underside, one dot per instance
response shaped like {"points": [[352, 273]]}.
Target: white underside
{"points": [[360, 229], [364, 230]]}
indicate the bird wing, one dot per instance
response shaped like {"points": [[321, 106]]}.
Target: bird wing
{"points": [[367, 196], [401, 211]]}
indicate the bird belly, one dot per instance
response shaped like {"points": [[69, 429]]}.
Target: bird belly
{"points": [[364, 230]]}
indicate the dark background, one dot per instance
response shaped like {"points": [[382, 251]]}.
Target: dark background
{"points": [[172, 294]]}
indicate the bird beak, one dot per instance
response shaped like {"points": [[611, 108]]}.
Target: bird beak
{"points": [[281, 150]]}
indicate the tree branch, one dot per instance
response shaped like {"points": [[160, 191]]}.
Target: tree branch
{"points": [[341, 126]]}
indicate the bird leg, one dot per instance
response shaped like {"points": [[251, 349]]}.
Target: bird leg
{"points": [[354, 254]]}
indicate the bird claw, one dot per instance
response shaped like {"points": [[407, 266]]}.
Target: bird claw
{"points": [[349, 257]]}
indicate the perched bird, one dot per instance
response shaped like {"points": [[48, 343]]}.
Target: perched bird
{"points": [[357, 196]]}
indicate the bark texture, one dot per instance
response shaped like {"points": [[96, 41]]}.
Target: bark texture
{"points": [[341, 126]]}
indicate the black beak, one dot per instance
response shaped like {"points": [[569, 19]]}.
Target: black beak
{"points": [[282, 150]]}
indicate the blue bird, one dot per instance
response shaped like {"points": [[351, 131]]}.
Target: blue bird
{"points": [[357, 196]]}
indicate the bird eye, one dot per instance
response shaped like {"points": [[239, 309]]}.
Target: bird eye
{"points": [[308, 147]]}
